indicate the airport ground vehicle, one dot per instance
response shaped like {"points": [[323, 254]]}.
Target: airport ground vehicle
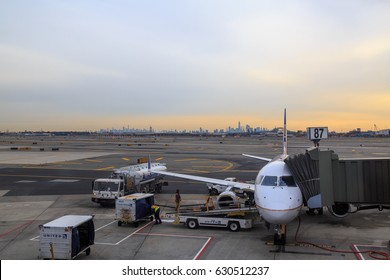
{"points": [[127, 180], [215, 189], [66, 237], [233, 219], [134, 208]]}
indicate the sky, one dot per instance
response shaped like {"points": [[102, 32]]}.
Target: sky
{"points": [[177, 64]]}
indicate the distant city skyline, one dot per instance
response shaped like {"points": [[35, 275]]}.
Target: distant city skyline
{"points": [[238, 129], [231, 130]]}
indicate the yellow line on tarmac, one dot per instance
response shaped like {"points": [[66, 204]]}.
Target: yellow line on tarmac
{"points": [[160, 158], [105, 168], [125, 158], [209, 166], [186, 159], [228, 167], [93, 160]]}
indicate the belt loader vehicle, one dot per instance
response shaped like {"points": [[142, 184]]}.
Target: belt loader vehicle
{"points": [[233, 219], [66, 237]]}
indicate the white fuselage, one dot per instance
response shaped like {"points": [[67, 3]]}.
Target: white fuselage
{"points": [[278, 199]]}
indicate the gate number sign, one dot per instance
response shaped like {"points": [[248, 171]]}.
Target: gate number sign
{"points": [[317, 133]]}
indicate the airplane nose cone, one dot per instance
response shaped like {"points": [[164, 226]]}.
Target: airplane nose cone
{"points": [[274, 216], [279, 205]]}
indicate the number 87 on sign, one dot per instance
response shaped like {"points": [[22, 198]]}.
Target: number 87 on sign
{"points": [[317, 133]]}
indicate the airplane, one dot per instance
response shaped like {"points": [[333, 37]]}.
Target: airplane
{"points": [[277, 197]]}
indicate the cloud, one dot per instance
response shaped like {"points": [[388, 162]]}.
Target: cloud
{"points": [[373, 49], [29, 69], [203, 62]]}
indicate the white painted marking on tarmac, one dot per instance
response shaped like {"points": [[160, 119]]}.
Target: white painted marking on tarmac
{"points": [[3, 192], [104, 226], [26, 181], [359, 253], [200, 252], [63, 181], [120, 241], [135, 232], [175, 235], [113, 244]]}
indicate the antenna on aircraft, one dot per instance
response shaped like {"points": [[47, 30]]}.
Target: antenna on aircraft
{"points": [[285, 135]]}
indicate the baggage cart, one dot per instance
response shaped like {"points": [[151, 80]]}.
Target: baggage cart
{"points": [[66, 237], [133, 208]]}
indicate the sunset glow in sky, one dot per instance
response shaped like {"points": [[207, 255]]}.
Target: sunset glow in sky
{"points": [[85, 65]]}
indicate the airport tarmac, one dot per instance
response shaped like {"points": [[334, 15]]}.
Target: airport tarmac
{"points": [[39, 184]]}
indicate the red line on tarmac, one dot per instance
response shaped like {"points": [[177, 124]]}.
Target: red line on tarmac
{"points": [[19, 227], [203, 249], [356, 251]]}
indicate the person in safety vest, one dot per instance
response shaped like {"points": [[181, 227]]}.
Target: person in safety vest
{"points": [[156, 212]]}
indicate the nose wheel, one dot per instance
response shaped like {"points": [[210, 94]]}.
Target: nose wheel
{"points": [[280, 234]]}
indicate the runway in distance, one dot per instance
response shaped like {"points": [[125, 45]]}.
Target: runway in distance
{"points": [[278, 199]]}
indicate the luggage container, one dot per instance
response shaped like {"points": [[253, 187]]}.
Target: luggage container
{"points": [[134, 208], [66, 237]]}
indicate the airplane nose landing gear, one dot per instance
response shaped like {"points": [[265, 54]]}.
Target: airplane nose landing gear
{"points": [[280, 235]]}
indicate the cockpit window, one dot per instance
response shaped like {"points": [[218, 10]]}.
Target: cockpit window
{"points": [[270, 181], [258, 179], [287, 181]]}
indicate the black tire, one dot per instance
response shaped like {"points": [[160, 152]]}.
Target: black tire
{"points": [[214, 191], [279, 239], [151, 218], [88, 251], [136, 224], [119, 223], [192, 223], [234, 226]]}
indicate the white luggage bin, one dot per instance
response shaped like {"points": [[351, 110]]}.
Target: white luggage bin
{"points": [[66, 237], [134, 208]]}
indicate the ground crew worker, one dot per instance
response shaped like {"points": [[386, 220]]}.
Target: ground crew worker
{"points": [[177, 199], [156, 212]]}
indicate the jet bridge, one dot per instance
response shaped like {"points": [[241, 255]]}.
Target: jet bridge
{"points": [[344, 185]]}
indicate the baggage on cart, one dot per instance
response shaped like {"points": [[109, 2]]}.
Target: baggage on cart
{"points": [[66, 237], [134, 208]]}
